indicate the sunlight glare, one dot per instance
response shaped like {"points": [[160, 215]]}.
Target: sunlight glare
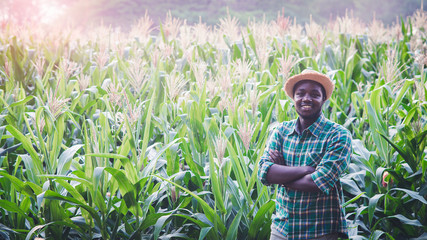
{"points": [[50, 11]]}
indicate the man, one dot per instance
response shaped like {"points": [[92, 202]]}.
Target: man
{"points": [[306, 157]]}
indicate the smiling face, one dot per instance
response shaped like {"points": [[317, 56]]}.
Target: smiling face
{"points": [[309, 97]]}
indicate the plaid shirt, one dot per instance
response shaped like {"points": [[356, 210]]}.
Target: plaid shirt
{"points": [[326, 146]]}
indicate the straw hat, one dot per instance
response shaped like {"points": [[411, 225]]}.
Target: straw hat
{"points": [[312, 75]]}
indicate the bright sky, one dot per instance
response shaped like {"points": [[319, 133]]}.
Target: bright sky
{"points": [[50, 10]]}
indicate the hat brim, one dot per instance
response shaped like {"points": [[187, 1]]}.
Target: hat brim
{"points": [[322, 79]]}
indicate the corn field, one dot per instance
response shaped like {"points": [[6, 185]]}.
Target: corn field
{"points": [[156, 133]]}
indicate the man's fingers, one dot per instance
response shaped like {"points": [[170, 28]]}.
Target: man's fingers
{"points": [[276, 157], [275, 153]]}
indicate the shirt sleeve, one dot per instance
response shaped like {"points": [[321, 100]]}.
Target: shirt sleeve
{"points": [[275, 143], [334, 162]]}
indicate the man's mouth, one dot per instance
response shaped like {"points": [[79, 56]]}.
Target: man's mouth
{"points": [[305, 107]]}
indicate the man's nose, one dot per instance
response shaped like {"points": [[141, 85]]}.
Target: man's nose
{"points": [[306, 97]]}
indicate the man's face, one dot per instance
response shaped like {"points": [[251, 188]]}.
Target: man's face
{"points": [[309, 98]]}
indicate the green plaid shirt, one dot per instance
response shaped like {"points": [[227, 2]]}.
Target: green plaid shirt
{"points": [[326, 146]]}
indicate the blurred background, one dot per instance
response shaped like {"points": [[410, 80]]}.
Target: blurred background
{"points": [[124, 13]]}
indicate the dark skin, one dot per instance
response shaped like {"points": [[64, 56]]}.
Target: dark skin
{"points": [[309, 99]]}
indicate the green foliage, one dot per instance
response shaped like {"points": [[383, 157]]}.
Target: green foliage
{"points": [[135, 136]]}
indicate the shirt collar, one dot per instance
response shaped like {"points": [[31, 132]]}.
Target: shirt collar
{"points": [[317, 126], [292, 128], [314, 128]]}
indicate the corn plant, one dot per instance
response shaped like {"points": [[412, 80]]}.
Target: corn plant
{"points": [[155, 135]]}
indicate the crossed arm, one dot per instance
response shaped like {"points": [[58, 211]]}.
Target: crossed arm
{"points": [[297, 178]]}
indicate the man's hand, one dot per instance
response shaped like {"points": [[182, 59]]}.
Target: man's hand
{"points": [[282, 174], [308, 169], [277, 157], [305, 184], [279, 173]]}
